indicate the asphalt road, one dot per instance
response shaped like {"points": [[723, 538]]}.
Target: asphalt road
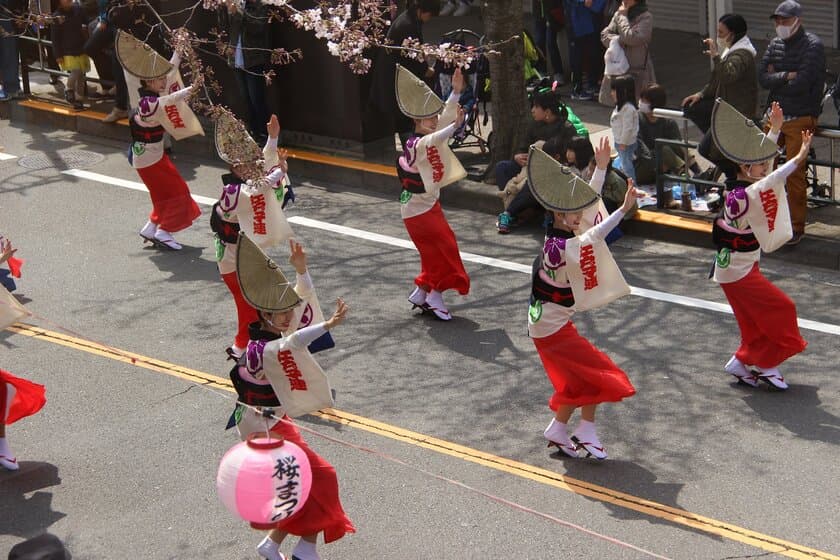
{"points": [[121, 462]]}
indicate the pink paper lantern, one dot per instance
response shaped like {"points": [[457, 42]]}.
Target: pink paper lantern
{"points": [[264, 481]]}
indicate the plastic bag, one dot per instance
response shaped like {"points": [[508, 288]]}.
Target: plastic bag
{"points": [[615, 60]]}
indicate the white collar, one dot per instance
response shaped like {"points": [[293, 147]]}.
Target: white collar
{"points": [[742, 43]]}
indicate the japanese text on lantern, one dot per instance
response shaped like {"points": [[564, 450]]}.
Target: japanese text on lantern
{"points": [[286, 474], [291, 370]]}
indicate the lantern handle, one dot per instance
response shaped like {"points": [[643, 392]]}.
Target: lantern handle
{"points": [[273, 441]]}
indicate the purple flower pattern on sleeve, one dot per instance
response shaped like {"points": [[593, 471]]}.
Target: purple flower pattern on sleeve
{"points": [[554, 253]]}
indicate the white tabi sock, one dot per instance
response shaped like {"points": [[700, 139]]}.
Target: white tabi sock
{"points": [[305, 550], [4, 448], [586, 432], [269, 549], [556, 431]]}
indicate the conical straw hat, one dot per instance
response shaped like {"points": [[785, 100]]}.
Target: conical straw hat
{"points": [[556, 186], [415, 98], [233, 143], [263, 284], [738, 137], [139, 59]]}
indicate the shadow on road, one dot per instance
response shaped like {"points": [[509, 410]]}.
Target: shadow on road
{"points": [[797, 410], [28, 516]]}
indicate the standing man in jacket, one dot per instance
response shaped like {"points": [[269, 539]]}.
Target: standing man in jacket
{"points": [[793, 69], [249, 54], [408, 24]]}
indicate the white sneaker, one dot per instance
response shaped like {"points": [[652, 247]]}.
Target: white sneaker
{"points": [[447, 8], [148, 232], [560, 439], [9, 463], [464, 8], [742, 374], [418, 297], [435, 302], [270, 550], [164, 238], [773, 377], [115, 115]]}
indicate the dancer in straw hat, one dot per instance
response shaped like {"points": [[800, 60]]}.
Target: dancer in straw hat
{"points": [[426, 166], [574, 273], [755, 218], [253, 197], [277, 371], [161, 108]]}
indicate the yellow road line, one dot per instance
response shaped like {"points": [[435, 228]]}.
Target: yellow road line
{"points": [[522, 470]]}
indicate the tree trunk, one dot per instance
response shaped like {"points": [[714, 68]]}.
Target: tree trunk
{"points": [[503, 19]]}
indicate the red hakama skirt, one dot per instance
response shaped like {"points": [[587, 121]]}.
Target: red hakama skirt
{"points": [[581, 374], [440, 261], [322, 510], [244, 312], [767, 319], [19, 398], [173, 209]]}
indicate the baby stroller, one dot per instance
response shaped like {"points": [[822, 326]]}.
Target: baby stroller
{"points": [[469, 135]]}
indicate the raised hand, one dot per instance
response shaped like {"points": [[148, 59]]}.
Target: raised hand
{"points": [[338, 316], [631, 195], [807, 136], [457, 81], [283, 159], [6, 250], [777, 117], [461, 116], [273, 127], [602, 153], [297, 258]]}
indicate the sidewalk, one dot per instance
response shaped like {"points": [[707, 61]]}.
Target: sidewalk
{"points": [[673, 53]]}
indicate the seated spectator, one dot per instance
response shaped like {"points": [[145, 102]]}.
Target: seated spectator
{"points": [[651, 128], [550, 119], [580, 156], [517, 196]]}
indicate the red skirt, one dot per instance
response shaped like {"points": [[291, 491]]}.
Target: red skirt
{"points": [[173, 209], [440, 261], [581, 374], [19, 398], [767, 319], [322, 510], [244, 312]]}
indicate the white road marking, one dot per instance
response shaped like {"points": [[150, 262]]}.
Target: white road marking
{"points": [[4, 156], [685, 301]]}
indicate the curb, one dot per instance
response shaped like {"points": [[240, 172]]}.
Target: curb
{"points": [[822, 252]]}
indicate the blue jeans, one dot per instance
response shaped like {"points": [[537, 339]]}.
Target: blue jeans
{"points": [[9, 59], [546, 38], [505, 171], [626, 158], [253, 88]]}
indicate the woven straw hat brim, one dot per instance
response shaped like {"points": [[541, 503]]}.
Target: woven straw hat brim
{"points": [[414, 97], [738, 137], [139, 59], [233, 143], [555, 186], [262, 282]]}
